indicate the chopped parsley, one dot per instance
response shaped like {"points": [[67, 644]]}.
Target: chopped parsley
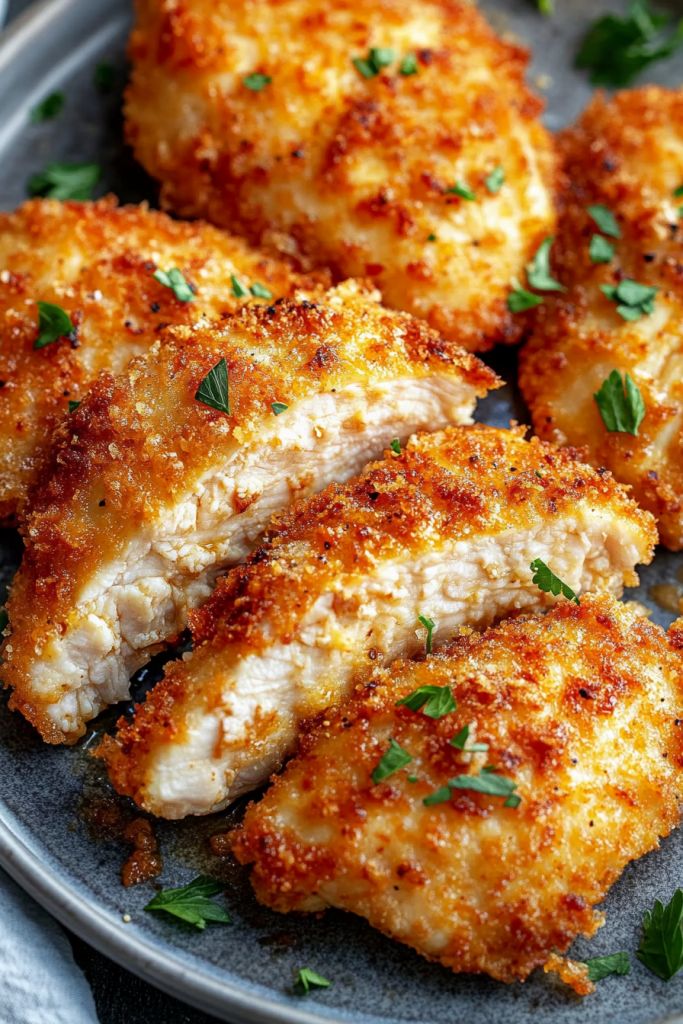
{"points": [[459, 741], [433, 701], [538, 270], [278, 407], [191, 903], [546, 580], [408, 65], [396, 446], [616, 48], [65, 181], [600, 967], [633, 300], [429, 625], [174, 280], [213, 390], [620, 404], [661, 947], [238, 290], [678, 192], [600, 250], [307, 979], [519, 299], [462, 190], [486, 781], [546, 6], [260, 291], [53, 323], [605, 219], [495, 180], [48, 108], [104, 77], [378, 57], [256, 81], [73, 405], [392, 761]]}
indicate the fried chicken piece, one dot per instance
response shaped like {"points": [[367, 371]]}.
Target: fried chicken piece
{"points": [[149, 491], [580, 713], [254, 115], [97, 261], [446, 531], [626, 154]]}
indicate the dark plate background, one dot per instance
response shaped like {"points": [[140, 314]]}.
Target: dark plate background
{"points": [[244, 971]]}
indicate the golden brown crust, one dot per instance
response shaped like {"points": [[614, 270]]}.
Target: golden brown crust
{"points": [[352, 172], [626, 154], [452, 484], [97, 261], [581, 708]]}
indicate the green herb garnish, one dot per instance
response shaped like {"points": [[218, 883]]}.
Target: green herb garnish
{"points": [[213, 390], [48, 108], [538, 270], [429, 625], [633, 300], [396, 446], [278, 407], [459, 741], [600, 967], [546, 580], [546, 6], [519, 299], [486, 781], [53, 323], [392, 761], [621, 404], [191, 903], [408, 65], [600, 250], [73, 405], [605, 220], [616, 48], [307, 979], [378, 57], [238, 290], [661, 947], [104, 77], [495, 180], [65, 181], [260, 291], [462, 190], [256, 81], [174, 280], [433, 701]]}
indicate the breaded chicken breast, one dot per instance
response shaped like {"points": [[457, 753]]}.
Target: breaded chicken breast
{"points": [[487, 840], [168, 473], [97, 262], [623, 165], [391, 139], [439, 536]]}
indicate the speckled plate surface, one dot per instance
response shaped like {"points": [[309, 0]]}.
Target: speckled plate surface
{"points": [[49, 797]]}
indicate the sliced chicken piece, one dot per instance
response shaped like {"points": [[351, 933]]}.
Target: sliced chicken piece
{"points": [[446, 531], [395, 139], [149, 492], [579, 712], [625, 155], [97, 262]]}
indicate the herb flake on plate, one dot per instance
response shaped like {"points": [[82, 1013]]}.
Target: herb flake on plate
{"points": [[214, 389], [546, 580], [192, 903], [65, 181]]}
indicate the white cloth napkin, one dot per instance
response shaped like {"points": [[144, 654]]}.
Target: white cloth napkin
{"points": [[39, 980]]}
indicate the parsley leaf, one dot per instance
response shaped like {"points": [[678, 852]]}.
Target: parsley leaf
{"points": [[392, 761], [429, 625], [459, 741], [73, 405], [621, 405], [104, 77], [600, 967], [378, 57], [633, 300], [65, 181], [433, 701], [538, 270], [600, 250], [678, 192], [256, 81], [519, 299], [462, 190], [48, 108], [396, 446], [495, 180], [615, 48], [408, 65], [546, 580], [174, 280], [260, 291], [213, 390], [661, 947], [486, 781], [53, 323], [307, 979], [546, 6], [238, 290], [605, 220], [191, 903], [278, 407]]}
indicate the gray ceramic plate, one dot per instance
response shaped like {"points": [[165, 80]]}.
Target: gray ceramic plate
{"points": [[244, 972]]}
